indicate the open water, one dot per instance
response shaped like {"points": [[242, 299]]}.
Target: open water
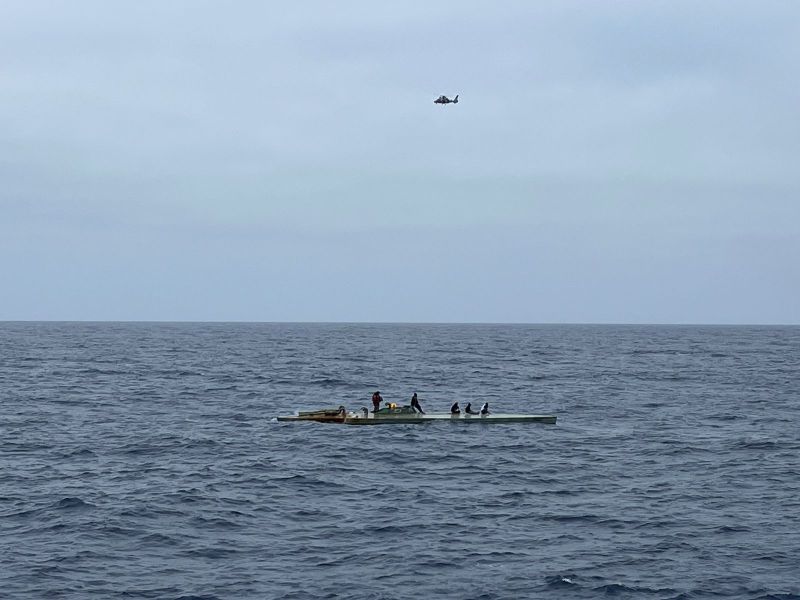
{"points": [[144, 461]]}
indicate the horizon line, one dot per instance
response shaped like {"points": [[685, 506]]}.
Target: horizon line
{"points": [[344, 322]]}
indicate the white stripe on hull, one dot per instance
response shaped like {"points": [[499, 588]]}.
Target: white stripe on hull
{"points": [[412, 419], [462, 418]]}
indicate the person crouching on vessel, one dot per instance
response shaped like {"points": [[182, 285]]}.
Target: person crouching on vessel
{"points": [[469, 410], [415, 404], [376, 401], [485, 408], [455, 410]]}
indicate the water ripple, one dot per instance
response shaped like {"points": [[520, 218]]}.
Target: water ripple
{"points": [[144, 461]]}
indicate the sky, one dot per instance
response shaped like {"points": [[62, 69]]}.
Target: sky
{"points": [[607, 162]]}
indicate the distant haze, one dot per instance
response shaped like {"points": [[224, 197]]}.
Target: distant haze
{"points": [[626, 162]]}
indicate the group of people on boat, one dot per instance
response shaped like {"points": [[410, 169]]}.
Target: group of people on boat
{"points": [[456, 409], [377, 400]]}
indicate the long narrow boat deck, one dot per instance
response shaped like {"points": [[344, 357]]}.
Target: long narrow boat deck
{"points": [[462, 418], [331, 416]]}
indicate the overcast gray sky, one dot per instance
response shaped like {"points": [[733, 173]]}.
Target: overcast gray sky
{"points": [[626, 162]]}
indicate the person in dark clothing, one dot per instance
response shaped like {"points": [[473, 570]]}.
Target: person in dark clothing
{"points": [[455, 410], [376, 401], [469, 410], [415, 404], [485, 408]]}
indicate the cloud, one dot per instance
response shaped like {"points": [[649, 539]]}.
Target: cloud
{"points": [[248, 132]]}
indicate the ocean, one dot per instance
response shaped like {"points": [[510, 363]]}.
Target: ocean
{"points": [[144, 460]]}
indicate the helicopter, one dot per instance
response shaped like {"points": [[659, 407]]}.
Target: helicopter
{"points": [[445, 100]]}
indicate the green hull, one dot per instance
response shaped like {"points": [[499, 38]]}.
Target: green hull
{"points": [[462, 418], [401, 416]]}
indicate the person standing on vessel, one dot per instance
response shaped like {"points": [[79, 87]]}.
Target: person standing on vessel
{"points": [[376, 401], [415, 404], [455, 410]]}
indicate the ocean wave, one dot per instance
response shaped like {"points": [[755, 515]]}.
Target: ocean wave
{"points": [[145, 485], [72, 503]]}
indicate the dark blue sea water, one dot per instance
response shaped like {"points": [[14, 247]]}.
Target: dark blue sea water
{"points": [[144, 461]]}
